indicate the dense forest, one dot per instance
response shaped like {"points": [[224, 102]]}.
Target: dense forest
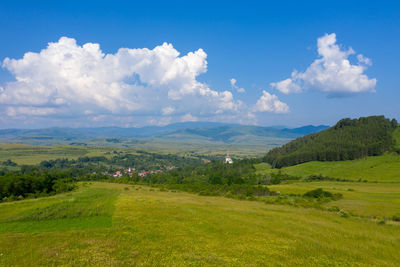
{"points": [[349, 139]]}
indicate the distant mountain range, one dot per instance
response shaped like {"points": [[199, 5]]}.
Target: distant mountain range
{"points": [[210, 131], [242, 134]]}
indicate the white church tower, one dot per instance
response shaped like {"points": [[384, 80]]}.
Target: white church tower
{"points": [[228, 159]]}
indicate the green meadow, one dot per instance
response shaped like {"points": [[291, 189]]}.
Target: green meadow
{"points": [[385, 168], [123, 225], [29, 154], [372, 188], [86, 207], [371, 200]]}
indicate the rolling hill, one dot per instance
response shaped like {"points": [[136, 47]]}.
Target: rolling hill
{"points": [[347, 140]]}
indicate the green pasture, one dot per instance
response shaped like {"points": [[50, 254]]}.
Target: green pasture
{"points": [[372, 200], [82, 209], [28, 154], [105, 224], [374, 192], [385, 168], [176, 146]]}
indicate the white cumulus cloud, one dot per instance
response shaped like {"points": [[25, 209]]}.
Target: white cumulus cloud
{"points": [[270, 103], [82, 85], [332, 72], [68, 79]]}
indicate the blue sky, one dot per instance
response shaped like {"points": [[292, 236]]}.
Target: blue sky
{"points": [[256, 43]]}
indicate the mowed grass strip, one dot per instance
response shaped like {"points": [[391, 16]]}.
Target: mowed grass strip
{"points": [[89, 207], [153, 228]]}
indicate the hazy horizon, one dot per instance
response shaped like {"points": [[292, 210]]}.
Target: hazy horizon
{"points": [[166, 125]]}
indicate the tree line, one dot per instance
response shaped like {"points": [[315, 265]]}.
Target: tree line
{"points": [[35, 183]]}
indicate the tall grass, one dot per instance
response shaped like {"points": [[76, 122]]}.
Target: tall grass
{"points": [[72, 209], [155, 228]]}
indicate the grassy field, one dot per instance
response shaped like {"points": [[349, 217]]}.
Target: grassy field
{"points": [[30, 154], [120, 225], [76, 210], [374, 192], [241, 149], [372, 200], [384, 168]]}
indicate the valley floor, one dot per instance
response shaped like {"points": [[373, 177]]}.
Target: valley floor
{"points": [[103, 224]]}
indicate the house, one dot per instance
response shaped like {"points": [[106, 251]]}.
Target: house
{"points": [[117, 174], [142, 174]]}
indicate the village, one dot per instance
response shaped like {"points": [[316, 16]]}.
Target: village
{"points": [[131, 171]]}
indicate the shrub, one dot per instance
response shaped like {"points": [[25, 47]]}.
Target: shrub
{"points": [[396, 217], [321, 177], [63, 185], [334, 209], [9, 162], [319, 193], [343, 214]]}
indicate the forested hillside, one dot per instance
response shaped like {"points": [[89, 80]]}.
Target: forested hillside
{"points": [[348, 139]]}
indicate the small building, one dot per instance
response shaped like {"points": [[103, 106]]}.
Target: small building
{"points": [[228, 159], [142, 174], [117, 174]]}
